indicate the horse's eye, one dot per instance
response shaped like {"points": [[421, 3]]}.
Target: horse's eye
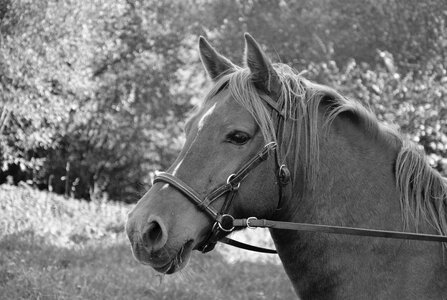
{"points": [[238, 137]]}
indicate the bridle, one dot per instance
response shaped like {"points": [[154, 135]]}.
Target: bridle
{"points": [[224, 223]]}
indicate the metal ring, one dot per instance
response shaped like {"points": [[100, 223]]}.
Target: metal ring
{"points": [[281, 168], [248, 222], [226, 229], [235, 187], [284, 174]]}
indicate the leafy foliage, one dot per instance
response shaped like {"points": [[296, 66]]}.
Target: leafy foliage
{"points": [[415, 101], [101, 100], [93, 96]]}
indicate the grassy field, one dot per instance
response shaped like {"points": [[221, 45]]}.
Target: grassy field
{"points": [[57, 248]]}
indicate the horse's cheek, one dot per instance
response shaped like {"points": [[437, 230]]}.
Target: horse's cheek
{"points": [[259, 200]]}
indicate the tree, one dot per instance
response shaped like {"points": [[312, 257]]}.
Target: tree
{"points": [[94, 95]]}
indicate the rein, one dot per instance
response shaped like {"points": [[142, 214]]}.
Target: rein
{"points": [[254, 223], [225, 223]]}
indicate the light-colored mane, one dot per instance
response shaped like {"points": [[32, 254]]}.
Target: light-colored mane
{"points": [[423, 191]]}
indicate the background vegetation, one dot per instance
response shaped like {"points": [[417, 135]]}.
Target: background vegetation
{"points": [[93, 95], [53, 248]]}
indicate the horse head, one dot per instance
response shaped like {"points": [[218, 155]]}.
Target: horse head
{"points": [[171, 219]]}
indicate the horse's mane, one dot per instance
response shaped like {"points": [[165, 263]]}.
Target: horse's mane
{"points": [[423, 191]]}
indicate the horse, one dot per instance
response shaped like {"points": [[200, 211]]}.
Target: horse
{"points": [[268, 143]]}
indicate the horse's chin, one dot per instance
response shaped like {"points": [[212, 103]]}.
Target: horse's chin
{"points": [[173, 266], [170, 264]]}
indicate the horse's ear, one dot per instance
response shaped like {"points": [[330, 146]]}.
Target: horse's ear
{"points": [[264, 76], [215, 64]]}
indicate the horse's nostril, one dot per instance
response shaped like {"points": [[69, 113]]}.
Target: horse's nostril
{"points": [[155, 236], [153, 233]]}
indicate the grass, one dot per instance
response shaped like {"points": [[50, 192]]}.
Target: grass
{"points": [[57, 248]]}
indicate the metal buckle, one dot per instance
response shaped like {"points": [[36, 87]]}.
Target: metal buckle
{"points": [[248, 222], [266, 149], [234, 187], [220, 223], [271, 144], [284, 174]]}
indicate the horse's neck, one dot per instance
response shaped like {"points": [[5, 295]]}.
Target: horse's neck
{"points": [[356, 184], [355, 187]]}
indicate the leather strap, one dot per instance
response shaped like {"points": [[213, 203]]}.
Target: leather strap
{"points": [[273, 104], [186, 190], [263, 223], [252, 163], [241, 245]]}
